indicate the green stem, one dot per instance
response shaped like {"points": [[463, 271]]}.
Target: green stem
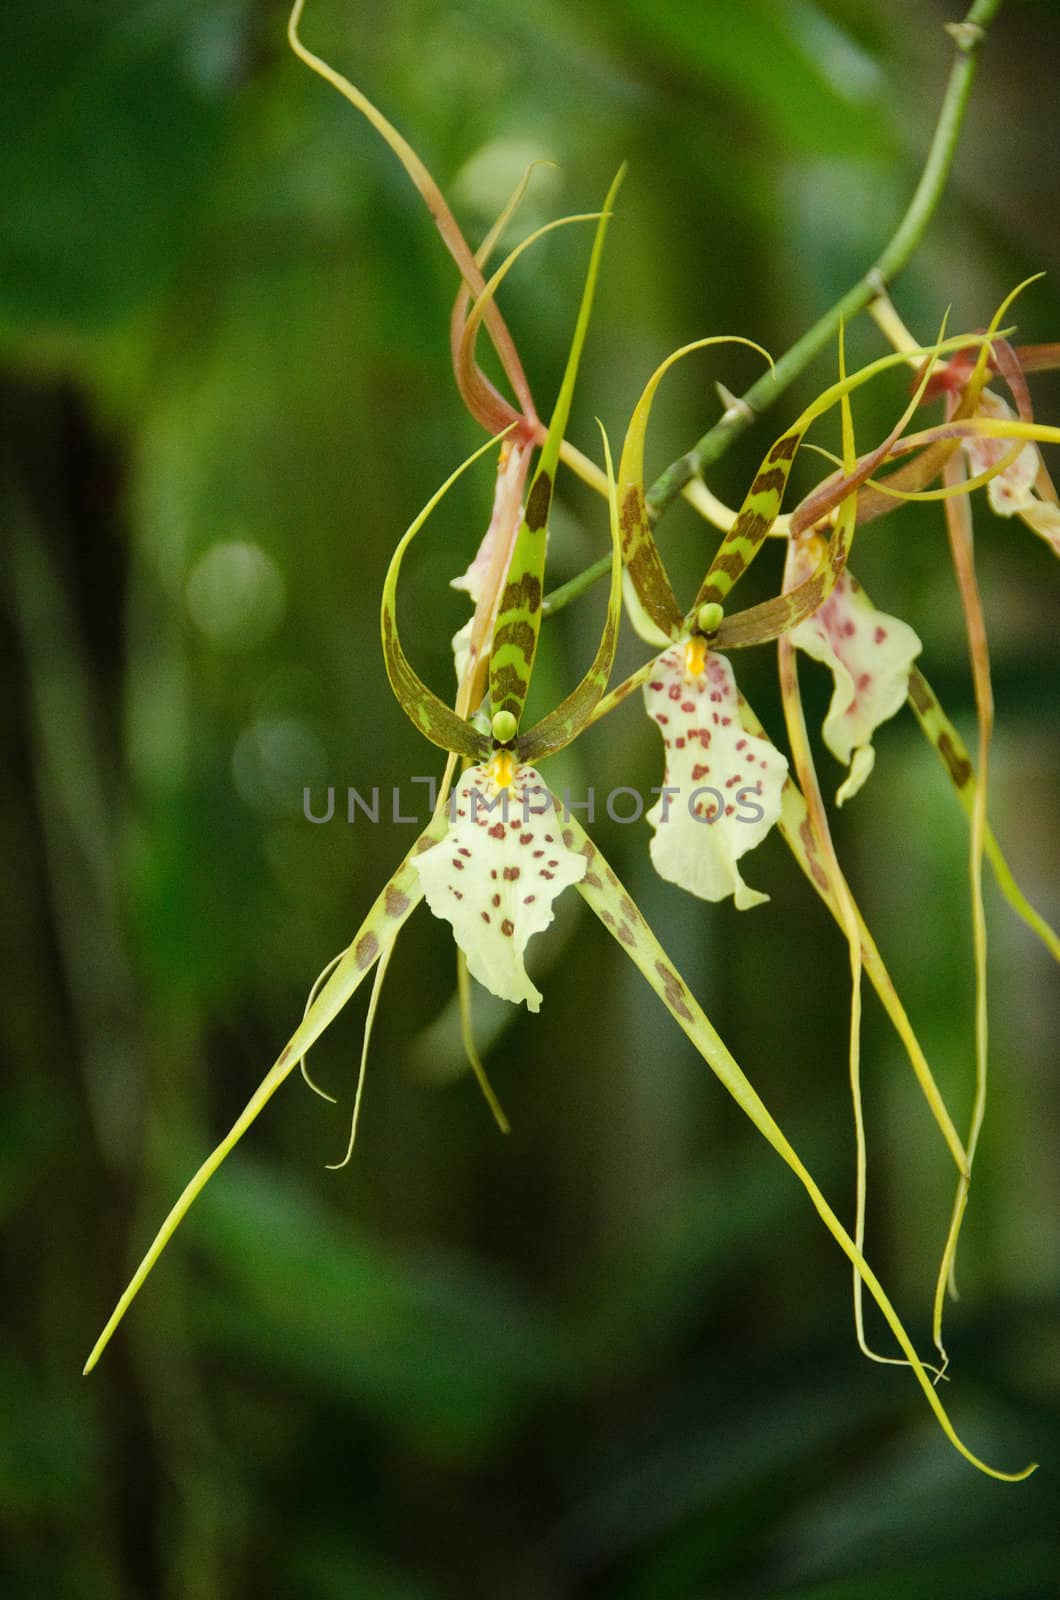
{"points": [[968, 37]]}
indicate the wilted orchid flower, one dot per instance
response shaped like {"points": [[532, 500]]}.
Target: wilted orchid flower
{"points": [[1023, 488]]}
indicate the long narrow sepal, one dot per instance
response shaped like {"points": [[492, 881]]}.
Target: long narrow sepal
{"points": [[518, 622], [763, 500], [650, 601], [797, 833], [802, 759], [561, 726], [380, 927], [956, 759], [464, 358], [501, 414], [777, 617], [959, 531], [606, 896], [479, 394], [436, 721], [760, 509]]}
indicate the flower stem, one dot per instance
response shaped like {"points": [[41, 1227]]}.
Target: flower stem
{"points": [[968, 37]]}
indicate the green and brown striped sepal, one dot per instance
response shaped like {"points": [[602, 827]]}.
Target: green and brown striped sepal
{"points": [[564, 724], [518, 621], [650, 601], [761, 506], [759, 511]]}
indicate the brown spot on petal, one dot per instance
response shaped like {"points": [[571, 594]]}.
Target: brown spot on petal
{"points": [[519, 634], [396, 902], [511, 874], [919, 693], [367, 950], [538, 502], [527, 592], [674, 989], [960, 768], [507, 927], [771, 482]]}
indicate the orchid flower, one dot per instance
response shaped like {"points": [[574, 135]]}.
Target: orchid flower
{"points": [[724, 779]]}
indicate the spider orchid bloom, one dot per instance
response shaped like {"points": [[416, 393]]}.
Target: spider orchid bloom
{"points": [[723, 782], [869, 654], [504, 857]]}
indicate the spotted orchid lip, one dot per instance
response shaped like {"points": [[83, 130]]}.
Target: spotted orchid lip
{"points": [[717, 772], [498, 869]]}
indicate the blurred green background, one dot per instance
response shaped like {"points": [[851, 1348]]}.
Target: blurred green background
{"points": [[612, 1354]]}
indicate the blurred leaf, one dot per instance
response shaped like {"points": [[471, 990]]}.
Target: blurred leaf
{"points": [[430, 1344], [113, 118]]}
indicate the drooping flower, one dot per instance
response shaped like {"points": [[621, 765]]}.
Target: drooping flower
{"points": [[722, 784], [869, 654]]}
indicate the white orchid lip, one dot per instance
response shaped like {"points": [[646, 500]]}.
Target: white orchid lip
{"points": [[870, 655], [722, 785], [496, 872]]}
